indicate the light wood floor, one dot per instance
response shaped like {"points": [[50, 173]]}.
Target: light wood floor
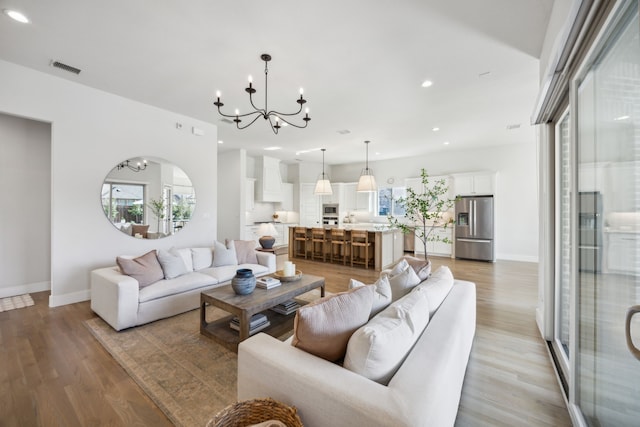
{"points": [[54, 373]]}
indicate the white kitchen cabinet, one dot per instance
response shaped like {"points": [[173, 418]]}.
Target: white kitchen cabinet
{"points": [[473, 184], [621, 252], [391, 248], [269, 188], [310, 206], [250, 194], [354, 201], [438, 248], [337, 195], [287, 197], [251, 233]]}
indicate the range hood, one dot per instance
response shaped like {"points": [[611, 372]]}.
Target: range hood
{"points": [[269, 181]]}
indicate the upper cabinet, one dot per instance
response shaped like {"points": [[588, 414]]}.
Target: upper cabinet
{"points": [[354, 201], [474, 184], [287, 197], [269, 183]]}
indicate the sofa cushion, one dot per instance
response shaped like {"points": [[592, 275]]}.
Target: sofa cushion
{"points": [[145, 269], [402, 282], [226, 272], [437, 287], [202, 258], [323, 327], [377, 349], [382, 295], [421, 266], [139, 229], [246, 251], [172, 263], [223, 255], [184, 283]]}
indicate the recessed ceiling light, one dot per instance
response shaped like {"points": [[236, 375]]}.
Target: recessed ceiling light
{"points": [[622, 118], [446, 143], [16, 16], [343, 131], [272, 148], [427, 83], [436, 129], [220, 142], [377, 153], [513, 126]]}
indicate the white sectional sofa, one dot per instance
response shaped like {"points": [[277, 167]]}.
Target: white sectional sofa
{"points": [[122, 303], [424, 391]]}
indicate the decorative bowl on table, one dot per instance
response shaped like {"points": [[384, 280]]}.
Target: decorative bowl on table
{"points": [[279, 274]]}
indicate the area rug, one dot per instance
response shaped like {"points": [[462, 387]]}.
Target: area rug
{"points": [[189, 377], [12, 303]]}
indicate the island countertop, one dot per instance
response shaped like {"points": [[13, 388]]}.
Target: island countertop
{"points": [[387, 243]]}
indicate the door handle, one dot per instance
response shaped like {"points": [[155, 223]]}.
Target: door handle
{"points": [[632, 348]]}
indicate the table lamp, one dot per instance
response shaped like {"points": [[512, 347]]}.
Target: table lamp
{"points": [[266, 233]]}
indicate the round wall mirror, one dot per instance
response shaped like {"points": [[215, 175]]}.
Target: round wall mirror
{"points": [[148, 198]]}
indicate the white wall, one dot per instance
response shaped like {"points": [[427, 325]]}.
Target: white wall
{"points": [[91, 132], [25, 205], [232, 169], [516, 201]]}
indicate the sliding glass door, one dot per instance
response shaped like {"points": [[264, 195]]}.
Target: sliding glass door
{"points": [[606, 229]]}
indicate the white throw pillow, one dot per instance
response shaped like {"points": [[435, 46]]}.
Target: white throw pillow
{"points": [[377, 349], [403, 282], [382, 296], [172, 263], [185, 253], [202, 258], [224, 255], [437, 287]]}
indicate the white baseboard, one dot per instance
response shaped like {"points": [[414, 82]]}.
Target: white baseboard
{"points": [[71, 298], [25, 289], [511, 257]]}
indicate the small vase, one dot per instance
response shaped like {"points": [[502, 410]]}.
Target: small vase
{"points": [[244, 282]]}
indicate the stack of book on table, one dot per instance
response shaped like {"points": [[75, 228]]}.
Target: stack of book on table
{"points": [[267, 282], [286, 307], [258, 322]]}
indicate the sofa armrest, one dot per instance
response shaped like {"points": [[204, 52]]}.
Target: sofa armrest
{"points": [[324, 393], [114, 297], [267, 259]]}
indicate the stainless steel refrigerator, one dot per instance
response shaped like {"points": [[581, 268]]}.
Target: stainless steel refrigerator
{"points": [[474, 228]]}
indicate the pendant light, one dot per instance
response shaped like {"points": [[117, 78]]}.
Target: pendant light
{"points": [[367, 182], [323, 186]]}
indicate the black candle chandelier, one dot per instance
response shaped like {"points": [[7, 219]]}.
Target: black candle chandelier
{"points": [[276, 119], [137, 168]]}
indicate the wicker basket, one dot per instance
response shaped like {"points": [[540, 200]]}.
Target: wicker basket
{"points": [[256, 411]]}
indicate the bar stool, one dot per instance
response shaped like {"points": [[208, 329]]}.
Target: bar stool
{"points": [[338, 241], [318, 242], [359, 242], [300, 242]]}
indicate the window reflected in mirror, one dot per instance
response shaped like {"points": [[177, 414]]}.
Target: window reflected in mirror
{"points": [[148, 198]]}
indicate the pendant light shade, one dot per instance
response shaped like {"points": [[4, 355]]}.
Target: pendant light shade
{"points": [[367, 182], [323, 186]]}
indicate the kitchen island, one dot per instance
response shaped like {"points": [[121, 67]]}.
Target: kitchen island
{"points": [[386, 245]]}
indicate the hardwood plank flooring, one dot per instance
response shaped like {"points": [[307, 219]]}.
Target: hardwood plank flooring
{"points": [[54, 373]]}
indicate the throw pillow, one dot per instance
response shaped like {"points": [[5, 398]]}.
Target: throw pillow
{"points": [[145, 269], [201, 257], [223, 255], [378, 349], [127, 229], [185, 253], [172, 263], [437, 287], [382, 295], [399, 267], [246, 251], [421, 266], [323, 327], [139, 229], [402, 283]]}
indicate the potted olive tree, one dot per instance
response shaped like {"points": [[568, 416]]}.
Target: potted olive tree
{"points": [[425, 211], [157, 207]]}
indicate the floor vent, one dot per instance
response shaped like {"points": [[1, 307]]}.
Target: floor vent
{"points": [[66, 67]]}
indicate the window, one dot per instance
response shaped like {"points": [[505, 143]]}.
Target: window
{"points": [[123, 202], [389, 201]]}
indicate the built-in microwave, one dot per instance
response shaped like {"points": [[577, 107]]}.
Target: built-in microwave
{"points": [[330, 209]]}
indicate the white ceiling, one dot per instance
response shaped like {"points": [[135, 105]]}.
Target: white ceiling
{"points": [[361, 64]]}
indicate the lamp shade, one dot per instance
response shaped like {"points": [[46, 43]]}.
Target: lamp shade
{"points": [[267, 229], [323, 188], [367, 182]]}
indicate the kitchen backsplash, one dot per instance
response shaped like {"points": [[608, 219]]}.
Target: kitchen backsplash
{"points": [[264, 212]]}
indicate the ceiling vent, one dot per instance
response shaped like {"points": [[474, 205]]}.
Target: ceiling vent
{"points": [[513, 126], [65, 67]]}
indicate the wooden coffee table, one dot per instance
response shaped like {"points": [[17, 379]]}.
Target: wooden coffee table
{"points": [[245, 306]]}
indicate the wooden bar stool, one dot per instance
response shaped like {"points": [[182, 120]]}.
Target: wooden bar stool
{"points": [[340, 243], [318, 243], [300, 242], [359, 242]]}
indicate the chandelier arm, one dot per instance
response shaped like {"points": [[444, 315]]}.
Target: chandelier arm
{"points": [[295, 125], [233, 116], [250, 123], [285, 114], [262, 111]]}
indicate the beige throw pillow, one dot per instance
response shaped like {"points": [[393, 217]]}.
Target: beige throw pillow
{"points": [[402, 283], [145, 269], [224, 255], [246, 251], [421, 266], [323, 327]]}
